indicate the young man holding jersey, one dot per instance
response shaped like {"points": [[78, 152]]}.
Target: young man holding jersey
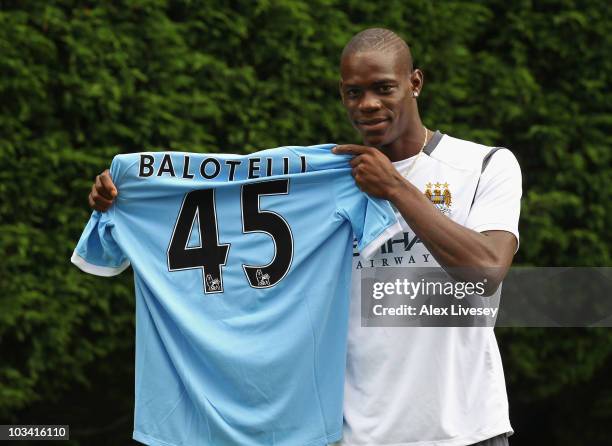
{"points": [[419, 385]]}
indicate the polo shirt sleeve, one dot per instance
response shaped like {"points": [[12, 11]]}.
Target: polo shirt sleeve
{"points": [[497, 201]]}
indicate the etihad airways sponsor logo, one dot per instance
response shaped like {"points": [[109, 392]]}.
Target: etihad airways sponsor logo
{"points": [[394, 252]]}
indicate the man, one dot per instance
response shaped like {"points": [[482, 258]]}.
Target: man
{"points": [[426, 385]]}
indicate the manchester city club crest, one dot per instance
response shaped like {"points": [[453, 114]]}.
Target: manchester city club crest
{"points": [[439, 194]]}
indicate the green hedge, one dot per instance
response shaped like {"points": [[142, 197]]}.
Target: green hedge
{"points": [[82, 81]]}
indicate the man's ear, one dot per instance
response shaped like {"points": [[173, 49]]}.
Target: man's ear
{"points": [[416, 80], [340, 84]]}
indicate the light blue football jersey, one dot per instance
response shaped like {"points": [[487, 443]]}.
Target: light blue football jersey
{"points": [[242, 277]]}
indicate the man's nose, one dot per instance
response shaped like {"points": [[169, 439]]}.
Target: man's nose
{"points": [[369, 102]]}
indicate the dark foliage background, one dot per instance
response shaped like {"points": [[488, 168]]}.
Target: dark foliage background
{"points": [[84, 80]]}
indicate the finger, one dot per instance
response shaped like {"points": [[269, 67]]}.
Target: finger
{"points": [[102, 187], [97, 201], [350, 149], [108, 184], [98, 206], [102, 205], [357, 161], [92, 204], [357, 177]]}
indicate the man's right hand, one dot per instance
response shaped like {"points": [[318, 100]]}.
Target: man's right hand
{"points": [[103, 192]]}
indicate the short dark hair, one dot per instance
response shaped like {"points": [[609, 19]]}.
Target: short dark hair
{"points": [[379, 39]]}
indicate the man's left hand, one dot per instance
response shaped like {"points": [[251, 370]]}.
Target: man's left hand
{"points": [[372, 170]]}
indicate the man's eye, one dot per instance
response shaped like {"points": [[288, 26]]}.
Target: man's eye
{"points": [[352, 93], [385, 88]]}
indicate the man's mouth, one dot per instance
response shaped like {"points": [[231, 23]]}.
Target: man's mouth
{"points": [[372, 124]]}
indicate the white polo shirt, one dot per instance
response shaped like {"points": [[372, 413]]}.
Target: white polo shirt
{"points": [[412, 386]]}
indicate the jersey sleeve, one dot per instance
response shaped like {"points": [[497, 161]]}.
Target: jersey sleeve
{"points": [[97, 251], [373, 220], [497, 201]]}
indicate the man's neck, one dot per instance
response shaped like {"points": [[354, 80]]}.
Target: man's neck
{"points": [[408, 145]]}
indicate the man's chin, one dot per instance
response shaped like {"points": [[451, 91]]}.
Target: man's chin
{"points": [[373, 137], [373, 140]]}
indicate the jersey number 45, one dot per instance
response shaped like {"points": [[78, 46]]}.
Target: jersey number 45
{"points": [[211, 255]]}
